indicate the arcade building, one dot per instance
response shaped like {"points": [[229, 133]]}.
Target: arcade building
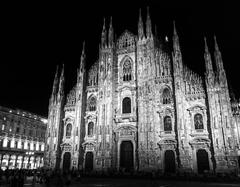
{"points": [[22, 139]]}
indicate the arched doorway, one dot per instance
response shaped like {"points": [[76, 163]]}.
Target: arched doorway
{"points": [[202, 161], [126, 155], [66, 161], [89, 161], [169, 162]]}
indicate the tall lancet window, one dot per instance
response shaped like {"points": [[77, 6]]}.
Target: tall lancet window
{"points": [[127, 71], [198, 121], [166, 96], [126, 105], [167, 123], [69, 129], [90, 129], [92, 104]]}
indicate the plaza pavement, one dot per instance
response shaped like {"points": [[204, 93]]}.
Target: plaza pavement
{"points": [[122, 182]]}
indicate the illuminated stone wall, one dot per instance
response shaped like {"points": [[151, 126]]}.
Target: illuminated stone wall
{"points": [[140, 108]]}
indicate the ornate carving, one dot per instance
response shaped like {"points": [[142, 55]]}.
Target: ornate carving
{"points": [[66, 147], [200, 143], [126, 131], [71, 98], [126, 42], [167, 144]]}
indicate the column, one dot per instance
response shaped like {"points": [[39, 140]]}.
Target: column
{"points": [[9, 158], [32, 162], [0, 160], [38, 162], [28, 162], [21, 166], [20, 161], [16, 164]]}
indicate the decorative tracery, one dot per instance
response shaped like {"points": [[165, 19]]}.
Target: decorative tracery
{"points": [[166, 96], [127, 70], [92, 104]]}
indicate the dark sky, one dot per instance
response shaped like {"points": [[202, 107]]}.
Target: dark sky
{"points": [[37, 37]]}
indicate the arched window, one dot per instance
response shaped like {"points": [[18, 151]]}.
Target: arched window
{"points": [[92, 104], [69, 129], [126, 105], [127, 71], [167, 123], [198, 121], [90, 129], [166, 96]]}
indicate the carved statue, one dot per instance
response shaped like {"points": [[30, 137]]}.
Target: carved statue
{"points": [[198, 121], [68, 129]]}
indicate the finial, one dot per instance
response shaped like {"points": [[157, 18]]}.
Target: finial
{"points": [[206, 46], [62, 70], [174, 28], [104, 23], [56, 72], [216, 44], [83, 48]]}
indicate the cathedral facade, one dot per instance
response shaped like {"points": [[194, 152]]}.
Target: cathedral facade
{"points": [[140, 108]]}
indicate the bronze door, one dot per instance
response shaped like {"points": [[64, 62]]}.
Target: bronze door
{"points": [[66, 161], [126, 155], [170, 165], [89, 161], [202, 161]]}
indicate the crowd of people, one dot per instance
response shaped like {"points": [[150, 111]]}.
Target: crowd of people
{"points": [[59, 178], [19, 177]]}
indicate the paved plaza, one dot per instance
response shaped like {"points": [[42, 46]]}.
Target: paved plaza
{"points": [[113, 182]]}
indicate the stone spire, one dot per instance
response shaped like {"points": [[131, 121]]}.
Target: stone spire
{"points": [[140, 26], [177, 55], [176, 46], [61, 83], [208, 60], [83, 56], [218, 56], [148, 25], [55, 83], [110, 34], [104, 35]]}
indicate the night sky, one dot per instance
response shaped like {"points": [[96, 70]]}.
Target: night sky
{"points": [[37, 37]]}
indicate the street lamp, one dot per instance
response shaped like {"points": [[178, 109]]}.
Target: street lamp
{"points": [[30, 153]]}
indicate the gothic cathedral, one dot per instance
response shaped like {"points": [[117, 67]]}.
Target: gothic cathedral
{"points": [[140, 108]]}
